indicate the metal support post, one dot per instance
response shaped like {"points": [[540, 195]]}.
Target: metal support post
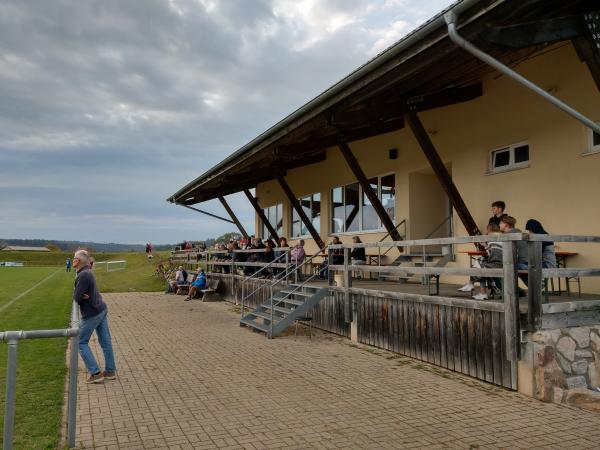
{"points": [[11, 392], [287, 267], [72, 400]]}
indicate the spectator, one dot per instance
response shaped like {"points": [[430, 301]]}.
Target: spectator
{"points": [[68, 265], [358, 255], [93, 318], [338, 253], [507, 225], [548, 253], [180, 279], [197, 285], [297, 255], [493, 260], [498, 208]]}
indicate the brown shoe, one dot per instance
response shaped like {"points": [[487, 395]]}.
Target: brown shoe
{"points": [[95, 378], [109, 375]]}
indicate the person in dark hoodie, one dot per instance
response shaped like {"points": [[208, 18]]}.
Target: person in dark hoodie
{"points": [[93, 318], [548, 253]]}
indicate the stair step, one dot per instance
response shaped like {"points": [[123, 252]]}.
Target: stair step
{"points": [[279, 309], [265, 315], [253, 324], [288, 300], [303, 294]]}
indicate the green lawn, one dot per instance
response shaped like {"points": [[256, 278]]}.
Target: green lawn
{"points": [[41, 365]]}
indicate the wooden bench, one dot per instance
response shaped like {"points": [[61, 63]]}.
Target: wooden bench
{"points": [[210, 292]]}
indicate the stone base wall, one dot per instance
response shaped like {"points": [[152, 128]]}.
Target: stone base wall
{"points": [[563, 366]]}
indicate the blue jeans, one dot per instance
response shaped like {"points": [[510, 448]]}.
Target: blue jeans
{"points": [[99, 322]]}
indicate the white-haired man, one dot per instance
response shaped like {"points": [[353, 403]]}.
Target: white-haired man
{"points": [[93, 318]]}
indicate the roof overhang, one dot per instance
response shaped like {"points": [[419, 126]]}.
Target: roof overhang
{"points": [[422, 71]]}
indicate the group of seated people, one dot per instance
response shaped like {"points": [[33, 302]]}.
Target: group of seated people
{"points": [[500, 223], [270, 254], [195, 286]]}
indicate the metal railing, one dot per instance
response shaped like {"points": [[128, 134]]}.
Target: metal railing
{"points": [[12, 338], [402, 222], [293, 269]]}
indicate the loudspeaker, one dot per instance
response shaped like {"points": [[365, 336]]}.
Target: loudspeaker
{"points": [[393, 153]]}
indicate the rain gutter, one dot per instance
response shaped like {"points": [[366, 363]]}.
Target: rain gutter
{"points": [[451, 17]]}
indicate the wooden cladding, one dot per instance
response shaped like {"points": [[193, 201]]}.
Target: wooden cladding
{"points": [[465, 340]]}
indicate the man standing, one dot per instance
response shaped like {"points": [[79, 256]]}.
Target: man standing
{"points": [[68, 265], [93, 318]]}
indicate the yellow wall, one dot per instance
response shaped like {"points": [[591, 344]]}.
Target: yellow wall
{"points": [[560, 187]]}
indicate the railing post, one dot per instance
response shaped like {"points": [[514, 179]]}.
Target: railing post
{"points": [[271, 322], [534, 292], [287, 267], [330, 274], [347, 286], [11, 392], [511, 307], [72, 400]]}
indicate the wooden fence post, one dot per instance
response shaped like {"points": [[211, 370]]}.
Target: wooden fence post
{"points": [[347, 286], [534, 294], [511, 307]]}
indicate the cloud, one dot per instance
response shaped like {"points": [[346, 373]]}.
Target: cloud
{"points": [[107, 108]]}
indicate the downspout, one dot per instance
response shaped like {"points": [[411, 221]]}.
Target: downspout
{"points": [[451, 17]]}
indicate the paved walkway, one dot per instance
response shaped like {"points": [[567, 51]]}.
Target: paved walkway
{"points": [[190, 377]]}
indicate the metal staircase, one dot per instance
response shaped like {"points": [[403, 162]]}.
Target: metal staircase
{"points": [[293, 302], [280, 311]]}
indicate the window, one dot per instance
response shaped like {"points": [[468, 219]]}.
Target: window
{"points": [[352, 211], [593, 142], [274, 215], [508, 158], [311, 205]]}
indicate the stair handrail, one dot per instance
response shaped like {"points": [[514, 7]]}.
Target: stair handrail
{"points": [[424, 252], [403, 222], [254, 275], [295, 268]]}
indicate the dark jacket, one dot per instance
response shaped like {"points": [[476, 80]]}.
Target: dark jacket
{"points": [[85, 284], [358, 254]]}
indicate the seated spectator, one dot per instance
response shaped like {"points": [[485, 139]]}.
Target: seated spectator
{"points": [[498, 208], [197, 285], [358, 256], [297, 254], [493, 260], [492, 228], [179, 280], [507, 225], [548, 253], [338, 253]]}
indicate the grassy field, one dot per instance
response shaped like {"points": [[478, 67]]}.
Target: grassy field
{"points": [[41, 363]]}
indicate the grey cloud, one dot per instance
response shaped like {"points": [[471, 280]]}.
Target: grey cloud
{"points": [[108, 107]]}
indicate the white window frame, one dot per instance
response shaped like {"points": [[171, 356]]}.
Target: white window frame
{"points": [[293, 211], [264, 228], [591, 148], [511, 164], [380, 228]]}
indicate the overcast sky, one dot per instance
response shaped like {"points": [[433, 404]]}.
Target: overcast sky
{"points": [[107, 107]]}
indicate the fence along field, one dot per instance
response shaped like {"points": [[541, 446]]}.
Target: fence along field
{"points": [[38, 296]]}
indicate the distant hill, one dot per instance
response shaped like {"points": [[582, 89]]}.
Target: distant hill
{"points": [[74, 245]]}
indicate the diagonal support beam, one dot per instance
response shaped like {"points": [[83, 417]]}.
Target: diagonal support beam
{"points": [[261, 215], [367, 189], [298, 207], [206, 213], [233, 216], [441, 173]]}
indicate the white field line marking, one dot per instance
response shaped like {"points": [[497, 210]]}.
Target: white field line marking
{"points": [[22, 294]]}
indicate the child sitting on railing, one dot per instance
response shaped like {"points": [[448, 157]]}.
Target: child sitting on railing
{"points": [[493, 260]]}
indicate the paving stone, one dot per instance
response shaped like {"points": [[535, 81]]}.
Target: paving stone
{"points": [[190, 377]]}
